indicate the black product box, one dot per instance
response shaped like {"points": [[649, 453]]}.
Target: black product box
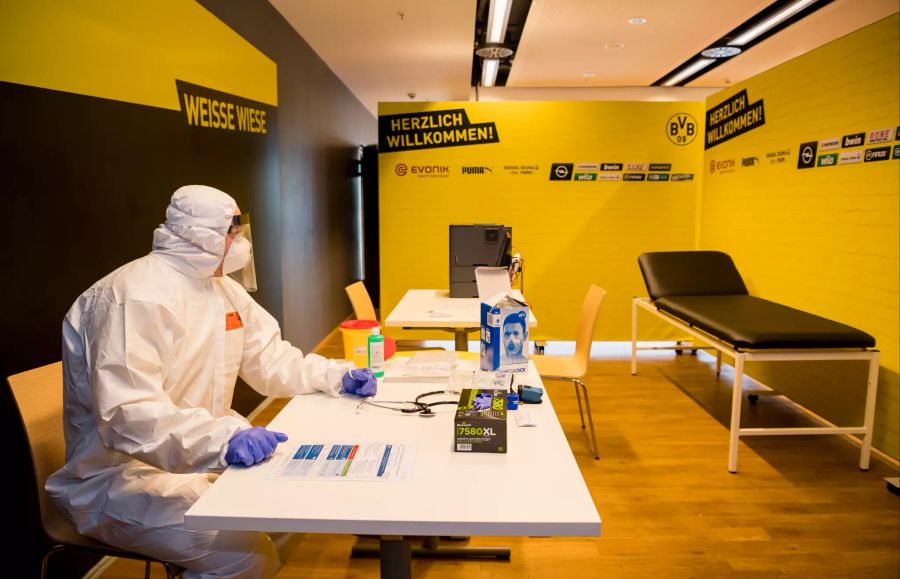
{"points": [[480, 424]]}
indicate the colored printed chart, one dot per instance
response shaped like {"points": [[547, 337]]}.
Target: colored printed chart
{"points": [[343, 461]]}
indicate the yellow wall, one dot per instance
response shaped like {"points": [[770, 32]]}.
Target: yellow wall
{"points": [[825, 239], [129, 51], [571, 234]]}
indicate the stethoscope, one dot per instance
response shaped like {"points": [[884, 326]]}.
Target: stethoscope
{"points": [[423, 409]]}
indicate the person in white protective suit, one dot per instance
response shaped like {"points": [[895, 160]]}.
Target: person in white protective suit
{"points": [[151, 353]]}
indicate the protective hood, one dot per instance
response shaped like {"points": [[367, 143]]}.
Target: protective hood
{"points": [[192, 240]]}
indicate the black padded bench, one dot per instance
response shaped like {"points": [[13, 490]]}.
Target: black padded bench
{"points": [[702, 293]]}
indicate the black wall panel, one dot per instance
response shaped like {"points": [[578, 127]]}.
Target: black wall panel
{"points": [[86, 180]]}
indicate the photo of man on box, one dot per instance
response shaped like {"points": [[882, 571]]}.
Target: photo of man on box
{"points": [[515, 336]]}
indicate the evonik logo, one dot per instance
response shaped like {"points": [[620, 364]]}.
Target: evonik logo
{"points": [[401, 169], [430, 169]]}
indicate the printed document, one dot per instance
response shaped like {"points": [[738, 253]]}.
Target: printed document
{"points": [[348, 461]]}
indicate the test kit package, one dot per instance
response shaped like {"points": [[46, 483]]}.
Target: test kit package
{"points": [[504, 334], [480, 423]]}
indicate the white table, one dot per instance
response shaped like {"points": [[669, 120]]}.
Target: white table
{"points": [[435, 309], [449, 493]]}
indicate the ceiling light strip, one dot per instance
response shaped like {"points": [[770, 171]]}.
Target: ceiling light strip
{"points": [[489, 71], [498, 17], [689, 70], [770, 22]]}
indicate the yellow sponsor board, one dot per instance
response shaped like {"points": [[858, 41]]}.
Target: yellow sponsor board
{"points": [[553, 171], [131, 51], [820, 231]]}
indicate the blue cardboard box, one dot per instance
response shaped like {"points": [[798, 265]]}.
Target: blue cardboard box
{"points": [[504, 334]]}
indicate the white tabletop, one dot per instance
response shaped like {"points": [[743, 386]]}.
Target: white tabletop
{"points": [[430, 308], [535, 488]]}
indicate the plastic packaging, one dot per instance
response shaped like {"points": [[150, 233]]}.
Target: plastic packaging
{"points": [[376, 352]]}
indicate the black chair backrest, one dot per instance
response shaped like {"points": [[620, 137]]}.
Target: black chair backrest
{"points": [[690, 273]]}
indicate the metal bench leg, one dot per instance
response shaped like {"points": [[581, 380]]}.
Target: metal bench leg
{"points": [[871, 392], [736, 395], [634, 313], [718, 362]]}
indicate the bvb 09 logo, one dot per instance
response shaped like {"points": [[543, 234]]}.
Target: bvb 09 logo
{"points": [[400, 169], [681, 128]]}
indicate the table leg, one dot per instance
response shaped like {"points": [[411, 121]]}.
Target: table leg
{"points": [[462, 339], [393, 555], [396, 557]]}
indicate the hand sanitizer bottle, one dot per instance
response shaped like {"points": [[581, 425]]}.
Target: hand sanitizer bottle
{"points": [[376, 352]]}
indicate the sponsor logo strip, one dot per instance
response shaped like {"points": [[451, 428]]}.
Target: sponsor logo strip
{"points": [[561, 172], [610, 166], [806, 157], [585, 176], [658, 177], [682, 176], [586, 166], [610, 177], [827, 160], [634, 177], [880, 136], [849, 157], [854, 140], [660, 166], [878, 154], [829, 144]]}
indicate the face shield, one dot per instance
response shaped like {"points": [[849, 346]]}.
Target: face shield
{"points": [[239, 263]]}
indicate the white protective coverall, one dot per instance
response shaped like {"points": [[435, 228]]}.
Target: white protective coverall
{"points": [[149, 368]]}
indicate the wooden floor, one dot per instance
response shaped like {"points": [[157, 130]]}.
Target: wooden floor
{"points": [[799, 507]]}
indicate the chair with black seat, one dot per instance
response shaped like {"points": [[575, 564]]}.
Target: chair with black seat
{"points": [[574, 367], [39, 396]]}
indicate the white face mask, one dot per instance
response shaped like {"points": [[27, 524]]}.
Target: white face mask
{"points": [[238, 255]]}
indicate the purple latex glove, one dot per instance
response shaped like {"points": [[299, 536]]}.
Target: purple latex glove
{"points": [[482, 401], [359, 381], [252, 445]]}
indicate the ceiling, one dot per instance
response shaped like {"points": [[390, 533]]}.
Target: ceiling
{"points": [[422, 50]]}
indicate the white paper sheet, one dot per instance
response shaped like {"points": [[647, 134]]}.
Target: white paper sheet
{"points": [[348, 461]]}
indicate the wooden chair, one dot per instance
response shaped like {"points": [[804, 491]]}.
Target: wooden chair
{"points": [[363, 308], [39, 396], [574, 367]]}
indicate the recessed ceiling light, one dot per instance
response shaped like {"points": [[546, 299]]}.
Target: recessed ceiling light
{"points": [[588, 75], [721, 52], [637, 20], [494, 51], [613, 46]]}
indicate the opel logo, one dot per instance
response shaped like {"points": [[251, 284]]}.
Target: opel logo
{"points": [[806, 154], [400, 169], [561, 171]]}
